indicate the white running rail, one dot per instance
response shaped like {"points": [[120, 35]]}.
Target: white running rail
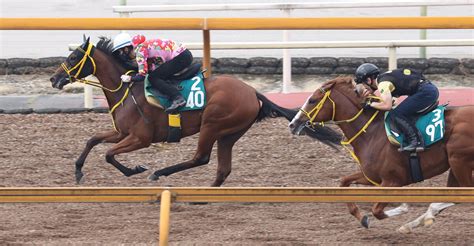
{"points": [[289, 6]]}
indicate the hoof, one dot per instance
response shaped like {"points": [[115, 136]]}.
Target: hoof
{"points": [[141, 168], [404, 229], [428, 221], [79, 176], [365, 221], [153, 177]]}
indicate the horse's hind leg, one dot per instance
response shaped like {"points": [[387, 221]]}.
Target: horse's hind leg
{"points": [[128, 144], [105, 137], [425, 219], [434, 209], [224, 156], [207, 138]]}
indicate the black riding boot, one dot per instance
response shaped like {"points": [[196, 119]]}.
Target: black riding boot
{"points": [[171, 91], [411, 134], [178, 101]]}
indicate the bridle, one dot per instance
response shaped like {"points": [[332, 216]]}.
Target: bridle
{"points": [[311, 123], [80, 65], [313, 113]]}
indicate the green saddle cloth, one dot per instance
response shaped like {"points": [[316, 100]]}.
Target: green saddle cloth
{"points": [[191, 89], [430, 125]]}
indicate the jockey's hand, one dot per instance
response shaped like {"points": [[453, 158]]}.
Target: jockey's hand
{"points": [[366, 93], [367, 105], [126, 78]]}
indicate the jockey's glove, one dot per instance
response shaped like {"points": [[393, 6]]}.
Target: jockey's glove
{"points": [[367, 105], [137, 78], [126, 78]]}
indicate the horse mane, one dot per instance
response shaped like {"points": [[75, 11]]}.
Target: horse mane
{"points": [[344, 85], [340, 80], [106, 45]]}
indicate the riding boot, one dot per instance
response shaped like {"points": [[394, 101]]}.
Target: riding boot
{"points": [[171, 91], [164, 87], [411, 135], [421, 141], [178, 101]]}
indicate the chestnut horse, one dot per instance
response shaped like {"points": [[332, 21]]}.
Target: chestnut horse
{"points": [[337, 102], [232, 108]]}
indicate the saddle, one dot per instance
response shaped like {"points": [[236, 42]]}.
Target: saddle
{"points": [[186, 73]]}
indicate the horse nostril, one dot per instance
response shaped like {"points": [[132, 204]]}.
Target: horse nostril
{"points": [[52, 80]]}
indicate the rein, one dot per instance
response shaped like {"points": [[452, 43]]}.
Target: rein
{"points": [[311, 115]]}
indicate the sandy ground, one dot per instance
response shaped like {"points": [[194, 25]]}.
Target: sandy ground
{"points": [[40, 150]]}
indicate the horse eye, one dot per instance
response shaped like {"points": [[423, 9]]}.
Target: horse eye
{"points": [[311, 101]]}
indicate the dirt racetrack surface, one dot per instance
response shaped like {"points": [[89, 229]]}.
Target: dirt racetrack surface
{"points": [[40, 150]]}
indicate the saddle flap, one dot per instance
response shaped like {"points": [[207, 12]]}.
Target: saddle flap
{"points": [[431, 126]]}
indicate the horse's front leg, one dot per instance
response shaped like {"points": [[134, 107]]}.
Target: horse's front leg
{"points": [[105, 137], [356, 178], [128, 144], [378, 208]]}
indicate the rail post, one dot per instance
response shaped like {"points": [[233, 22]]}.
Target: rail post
{"points": [[206, 52], [423, 12], [392, 57], [165, 208], [88, 96], [286, 69]]}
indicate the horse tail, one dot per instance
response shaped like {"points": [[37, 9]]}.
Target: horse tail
{"points": [[271, 110]]}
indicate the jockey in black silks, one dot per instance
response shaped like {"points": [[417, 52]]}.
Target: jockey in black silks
{"points": [[399, 82]]}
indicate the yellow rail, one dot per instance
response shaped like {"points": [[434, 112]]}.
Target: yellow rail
{"points": [[341, 23], [237, 194], [462, 22]]}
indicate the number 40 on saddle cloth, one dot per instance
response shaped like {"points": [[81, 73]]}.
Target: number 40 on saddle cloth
{"points": [[191, 89], [430, 125]]}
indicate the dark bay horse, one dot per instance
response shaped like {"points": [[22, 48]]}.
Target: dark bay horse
{"points": [[337, 102], [232, 108]]}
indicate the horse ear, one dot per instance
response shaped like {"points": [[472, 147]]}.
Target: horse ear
{"points": [[84, 37], [86, 42]]}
